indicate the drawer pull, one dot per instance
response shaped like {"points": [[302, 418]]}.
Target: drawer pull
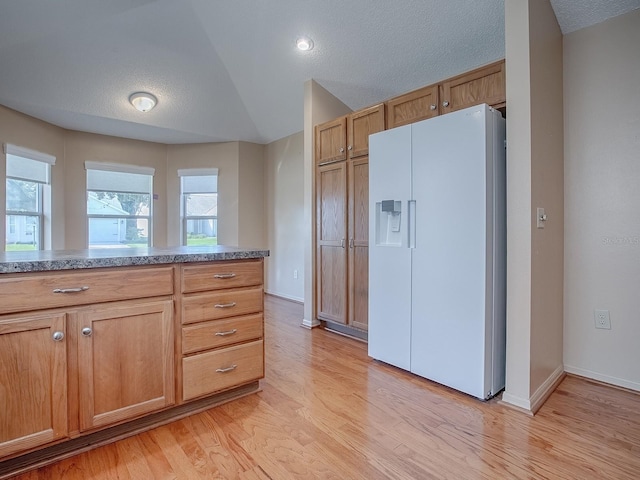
{"points": [[225, 305], [224, 275], [70, 290], [228, 369], [224, 334]]}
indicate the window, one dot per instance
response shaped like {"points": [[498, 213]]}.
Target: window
{"points": [[27, 198], [199, 206], [119, 207]]}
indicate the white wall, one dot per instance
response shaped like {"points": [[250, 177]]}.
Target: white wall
{"points": [[319, 106], [602, 190], [534, 179], [284, 207]]}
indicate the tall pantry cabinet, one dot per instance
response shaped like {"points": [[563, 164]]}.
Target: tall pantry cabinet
{"points": [[342, 216]]}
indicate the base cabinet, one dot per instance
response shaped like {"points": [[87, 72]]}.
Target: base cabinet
{"points": [[125, 362], [69, 372], [33, 381]]}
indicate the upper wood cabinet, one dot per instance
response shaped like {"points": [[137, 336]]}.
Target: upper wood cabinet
{"points": [[348, 137], [484, 85], [360, 125], [413, 106], [331, 141]]}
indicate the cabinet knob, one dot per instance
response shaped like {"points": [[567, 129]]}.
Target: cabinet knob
{"points": [[86, 332], [341, 149], [57, 336], [349, 147], [432, 107], [445, 104]]}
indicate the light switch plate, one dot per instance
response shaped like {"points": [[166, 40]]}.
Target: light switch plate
{"points": [[541, 217]]}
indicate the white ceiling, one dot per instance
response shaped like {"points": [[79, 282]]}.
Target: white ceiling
{"points": [[229, 70]]}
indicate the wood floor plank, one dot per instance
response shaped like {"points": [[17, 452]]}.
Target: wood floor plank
{"points": [[328, 411]]}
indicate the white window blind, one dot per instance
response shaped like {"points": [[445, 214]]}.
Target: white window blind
{"points": [[27, 164], [109, 177], [199, 180]]}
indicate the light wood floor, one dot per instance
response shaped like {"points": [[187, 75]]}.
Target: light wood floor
{"points": [[328, 411]]}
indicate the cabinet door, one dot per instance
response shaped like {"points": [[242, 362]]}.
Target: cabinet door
{"points": [[331, 233], [361, 124], [331, 140], [33, 382], [412, 107], [125, 361], [484, 85], [358, 290]]}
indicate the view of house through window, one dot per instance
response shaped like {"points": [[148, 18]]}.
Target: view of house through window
{"points": [[199, 202], [118, 205], [27, 185]]}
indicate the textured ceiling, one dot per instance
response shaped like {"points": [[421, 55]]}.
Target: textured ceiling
{"points": [[229, 70]]}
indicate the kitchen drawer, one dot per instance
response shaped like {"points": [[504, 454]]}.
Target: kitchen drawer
{"points": [[22, 293], [200, 278], [221, 304], [219, 333], [222, 369]]}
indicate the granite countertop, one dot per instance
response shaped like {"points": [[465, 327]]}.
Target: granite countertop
{"points": [[49, 260]]}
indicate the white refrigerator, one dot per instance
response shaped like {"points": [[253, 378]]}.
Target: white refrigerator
{"points": [[437, 252]]}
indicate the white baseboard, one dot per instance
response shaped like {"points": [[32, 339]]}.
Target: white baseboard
{"points": [[533, 404], [619, 382], [310, 323], [285, 296]]}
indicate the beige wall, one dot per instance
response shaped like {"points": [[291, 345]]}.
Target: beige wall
{"points": [[534, 179], [284, 172], [602, 188], [251, 196], [319, 106], [241, 184], [87, 146], [24, 131], [223, 156]]}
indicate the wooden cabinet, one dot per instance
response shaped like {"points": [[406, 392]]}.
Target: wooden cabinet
{"points": [[222, 327], [342, 218], [483, 85], [413, 107], [118, 365], [125, 361], [331, 238], [33, 381], [125, 348], [348, 137], [331, 141], [358, 232], [360, 125]]}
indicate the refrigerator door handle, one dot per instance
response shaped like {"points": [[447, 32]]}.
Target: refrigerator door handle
{"points": [[412, 223]]}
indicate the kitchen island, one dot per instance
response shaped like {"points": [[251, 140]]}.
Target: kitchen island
{"points": [[99, 344]]}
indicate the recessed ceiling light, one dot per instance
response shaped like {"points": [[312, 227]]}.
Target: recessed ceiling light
{"points": [[304, 43], [143, 101]]}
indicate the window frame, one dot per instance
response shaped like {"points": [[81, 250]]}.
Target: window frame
{"points": [[184, 218], [124, 169], [42, 188]]}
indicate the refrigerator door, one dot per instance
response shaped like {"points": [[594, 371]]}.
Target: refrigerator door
{"points": [[450, 343], [389, 255]]}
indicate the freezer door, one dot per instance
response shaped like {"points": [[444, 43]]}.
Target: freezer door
{"points": [[389, 255], [451, 340]]}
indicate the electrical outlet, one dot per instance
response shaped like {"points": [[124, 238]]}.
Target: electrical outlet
{"points": [[295, 274], [602, 319]]}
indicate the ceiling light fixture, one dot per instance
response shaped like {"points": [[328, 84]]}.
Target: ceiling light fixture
{"points": [[304, 44], [143, 101]]}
